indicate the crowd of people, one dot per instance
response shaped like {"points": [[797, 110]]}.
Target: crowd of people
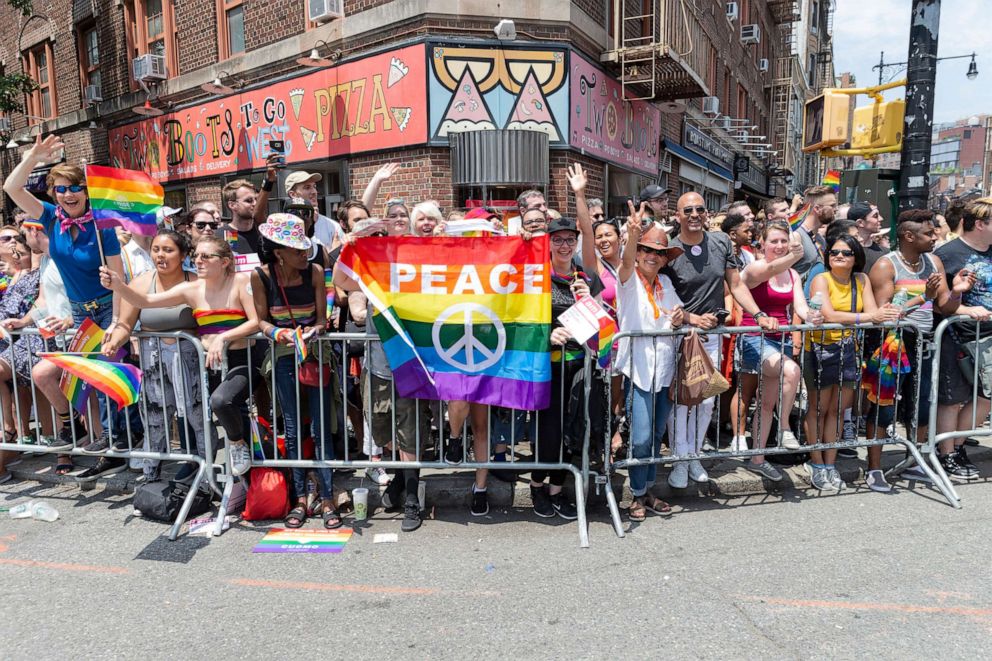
{"points": [[653, 271]]}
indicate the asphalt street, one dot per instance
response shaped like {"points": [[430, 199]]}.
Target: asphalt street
{"points": [[788, 576]]}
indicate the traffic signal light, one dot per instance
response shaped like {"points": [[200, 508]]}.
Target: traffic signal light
{"points": [[825, 121], [878, 125]]}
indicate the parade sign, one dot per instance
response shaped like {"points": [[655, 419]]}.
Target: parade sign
{"points": [[373, 103], [606, 125], [457, 326]]}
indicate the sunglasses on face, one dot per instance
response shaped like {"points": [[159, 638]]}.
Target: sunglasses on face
{"points": [[205, 255], [202, 225], [688, 210], [660, 252], [563, 241], [599, 216], [6, 238], [74, 188], [841, 253]]}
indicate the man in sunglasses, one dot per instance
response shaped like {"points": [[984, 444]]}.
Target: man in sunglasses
{"points": [[241, 199], [699, 274], [656, 199]]}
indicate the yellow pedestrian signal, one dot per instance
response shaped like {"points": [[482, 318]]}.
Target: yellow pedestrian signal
{"points": [[825, 121], [878, 125]]}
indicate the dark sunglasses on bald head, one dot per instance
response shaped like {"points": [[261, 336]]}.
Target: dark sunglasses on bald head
{"points": [[688, 210]]}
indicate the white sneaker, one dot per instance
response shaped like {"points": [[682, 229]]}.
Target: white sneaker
{"points": [[789, 440], [876, 481], [377, 475], [679, 477], [697, 472], [738, 444], [240, 457]]}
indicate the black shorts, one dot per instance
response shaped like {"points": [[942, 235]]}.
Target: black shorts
{"points": [[952, 386]]}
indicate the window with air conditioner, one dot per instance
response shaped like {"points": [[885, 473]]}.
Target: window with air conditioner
{"points": [[151, 28], [733, 11], [322, 11], [751, 34], [89, 63]]}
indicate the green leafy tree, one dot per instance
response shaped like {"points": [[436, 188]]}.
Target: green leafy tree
{"points": [[14, 86]]}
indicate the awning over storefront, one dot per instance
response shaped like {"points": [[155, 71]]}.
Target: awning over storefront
{"points": [[693, 157], [499, 158], [36, 180]]}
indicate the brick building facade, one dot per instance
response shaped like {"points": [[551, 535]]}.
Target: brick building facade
{"points": [[565, 74]]}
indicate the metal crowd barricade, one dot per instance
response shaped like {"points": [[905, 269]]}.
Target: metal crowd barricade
{"points": [[964, 330], [134, 449], [803, 400], [340, 351]]}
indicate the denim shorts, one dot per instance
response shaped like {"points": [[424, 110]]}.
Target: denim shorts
{"points": [[753, 350]]}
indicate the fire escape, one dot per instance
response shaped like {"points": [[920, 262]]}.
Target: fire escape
{"points": [[658, 48], [786, 109]]}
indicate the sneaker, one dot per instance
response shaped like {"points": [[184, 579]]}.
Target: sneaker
{"points": [[847, 453], [679, 477], [480, 503], [120, 444], [764, 469], [378, 475], [563, 508], [147, 478], [542, 502], [240, 457], [954, 470], [392, 495], [738, 444], [875, 479], [454, 452], [99, 446], [104, 467], [916, 474], [789, 440], [961, 455], [411, 516], [63, 440], [850, 431], [697, 472], [820, 479], [707, 446], [834, 476]]}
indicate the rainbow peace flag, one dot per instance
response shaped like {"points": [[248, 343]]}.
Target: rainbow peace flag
{"points": [[832, 178], [87, 340], [122, 197], [118, 381], [281, 540], [461, 318], [797, 219]]}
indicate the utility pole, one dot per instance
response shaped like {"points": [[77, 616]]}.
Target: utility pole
{"points": [[914, 179]]}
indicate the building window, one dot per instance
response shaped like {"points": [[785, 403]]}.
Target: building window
{"points": [[151, 30], [89, 56], [811, 71], [231, 28], [814, 16], [37, 65]]}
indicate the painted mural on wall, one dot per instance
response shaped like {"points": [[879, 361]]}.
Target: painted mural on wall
{"points": [[473, 89], [374, 103], [607, 126]]}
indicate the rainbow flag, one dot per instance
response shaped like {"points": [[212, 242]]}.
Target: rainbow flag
{"points": [[329, 289], [832, 179], [127, 198], [461, 318], [87, 340], [4, 283], [118, 381], [300, 344], [604, 348], [231, 235], [281, 540], [797, 219]]}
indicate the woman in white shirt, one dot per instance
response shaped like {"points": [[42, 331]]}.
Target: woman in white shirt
{"points": [[647, 302]]}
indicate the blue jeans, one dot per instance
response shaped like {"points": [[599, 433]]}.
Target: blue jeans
{"points": [[648, 415], [286, 385]]}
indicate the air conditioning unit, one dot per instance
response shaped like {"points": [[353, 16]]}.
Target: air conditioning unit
{"points": [[763, 64], [322, 11], [5, 124], [751, 34], [149, 67], [92, 94], [711, 105], [732, 11]]}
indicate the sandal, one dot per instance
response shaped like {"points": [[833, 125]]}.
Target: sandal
{"points": [[297, 514], [63, 468], [637, 511], [657, 505], [331, 519]]}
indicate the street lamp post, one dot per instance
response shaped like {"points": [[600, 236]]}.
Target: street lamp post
{"points": [[882, 65]]}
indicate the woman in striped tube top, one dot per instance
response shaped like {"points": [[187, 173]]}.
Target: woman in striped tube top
{"points": [[289, 293], [225, 315]]}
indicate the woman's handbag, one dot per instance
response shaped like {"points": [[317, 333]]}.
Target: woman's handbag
{"points": [[697, 379]]}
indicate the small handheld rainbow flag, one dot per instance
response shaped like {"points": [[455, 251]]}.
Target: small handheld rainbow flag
{"points": [[122, 197], [232, 237], [118, 381], [797, 219], [300, 344], [607, 329], [832, 179], [87, 340], [329, 287], [4, 283]]}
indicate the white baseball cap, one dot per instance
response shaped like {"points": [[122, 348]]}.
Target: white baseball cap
{"points": [[301, 177]]}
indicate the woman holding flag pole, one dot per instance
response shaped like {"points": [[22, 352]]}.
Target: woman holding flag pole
{"points": [[78, 249]]}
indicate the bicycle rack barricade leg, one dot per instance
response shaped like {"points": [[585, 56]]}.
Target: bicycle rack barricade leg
{"points": [[188, 502], [580, 507], [611, 502], [225, 501]]}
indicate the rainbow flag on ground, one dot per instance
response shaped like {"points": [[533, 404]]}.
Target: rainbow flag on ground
{"points": [[461, 319], [118, 381], [87, 340], [797, 219], [281, 540], [122, 197], [832, 179]]}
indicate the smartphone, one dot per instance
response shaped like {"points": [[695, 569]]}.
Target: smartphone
{"points": [[278, 147]]}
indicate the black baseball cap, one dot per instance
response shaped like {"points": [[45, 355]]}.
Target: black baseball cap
{"points": [[858, 211], [654, 190], [562, 225]]}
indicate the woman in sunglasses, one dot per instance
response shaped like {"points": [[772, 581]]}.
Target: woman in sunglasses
{"points": [[78, 249], [224, 312], [831, 368]]}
